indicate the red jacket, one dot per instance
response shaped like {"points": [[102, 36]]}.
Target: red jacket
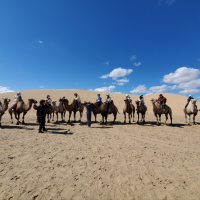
{"points": [[162, 100]]}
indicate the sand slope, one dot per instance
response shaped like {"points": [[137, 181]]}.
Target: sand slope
{"points": [[121, 161]]}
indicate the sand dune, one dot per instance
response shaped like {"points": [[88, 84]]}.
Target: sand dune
{"points": [[121, 161]]}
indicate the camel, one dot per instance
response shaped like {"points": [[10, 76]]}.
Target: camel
{"points": [[158, 110], [72, 108], [4, 107], [103, 110], [128, 108], [58, 109], [191, 109], [21, 108], [141, 108]]}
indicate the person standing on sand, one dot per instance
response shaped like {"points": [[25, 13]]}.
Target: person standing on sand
{"points": [[42, 114], [88, 112]]}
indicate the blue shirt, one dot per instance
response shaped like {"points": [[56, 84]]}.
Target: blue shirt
{"points": [[99, 99], [89, 109]]}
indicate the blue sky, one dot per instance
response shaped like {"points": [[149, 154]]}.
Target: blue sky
{"points": [[132, 46]]}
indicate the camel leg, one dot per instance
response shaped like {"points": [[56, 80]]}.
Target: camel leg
{"points": [[106, 116], [11, 117], [188, 119], [0, 118], [170, 117], [62, 116], [95, 117], [81, 113], [74, 116], [129, 116], [159, 118], [133, 115], [138, 117], [194, 119], [114, 114], [24, 113], [70, 112], [185, 118], [166, 117], [143, 115], [17, 118], [48, 120], [57, 116], [53, 116], [124, 117]]}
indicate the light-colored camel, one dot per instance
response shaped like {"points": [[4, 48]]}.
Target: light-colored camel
{"points": [[141, 108], [130, 109], [158, 110], [191, 109], [58, 109], [4, 107], [21, 108], [72, 108]]}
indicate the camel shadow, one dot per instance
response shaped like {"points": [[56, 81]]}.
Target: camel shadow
{"points": [[59, 122], [11, 127], [121, 123], [31, 124], [103, 127]]}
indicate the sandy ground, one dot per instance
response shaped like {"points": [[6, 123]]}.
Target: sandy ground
{"points": [[120, 161]]}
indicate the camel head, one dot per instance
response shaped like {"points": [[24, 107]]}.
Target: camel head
{"points": [[137, 102], [193, 101], [54, 103], [63, 100], [154, 100], [32, 101], [6, 100]]}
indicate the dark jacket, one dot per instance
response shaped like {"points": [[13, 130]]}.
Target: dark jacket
{"points": [[188, 100], [162, 100], [42, 110]]}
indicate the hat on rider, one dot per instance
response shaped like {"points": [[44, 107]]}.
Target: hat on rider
{"points": [[127, 95], [48, 96], [190, 95], [160, 95], [107, 95]]}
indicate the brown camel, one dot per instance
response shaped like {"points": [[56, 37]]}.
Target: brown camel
{"points": [[141, 108], [128, 108], [4, 107], [72, 108], [158, 110], [21, 108], [104, 111], [191, 109], [58, 109]]}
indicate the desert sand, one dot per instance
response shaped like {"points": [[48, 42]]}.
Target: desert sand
{"points": [[120, 161]]}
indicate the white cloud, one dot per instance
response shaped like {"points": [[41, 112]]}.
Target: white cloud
{"points": [[118, 92], [90, 89], [170, 2], [139, 89], [118, 72], [198, 60], [5, 89], [174, 87], [190, 84], [40, 41], [122, 81], [158, 89], [133, 57], [105, 89], [137, 64], [181, 75], [190, 91], [41, 86], [106, 63]]}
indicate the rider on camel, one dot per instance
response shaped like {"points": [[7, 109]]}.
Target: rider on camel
{"points": [[49, 101], [18, 98], [130, 100], [188, 100], [141, 99], [162, 101], [99, 100], [108, 100], [78, 99]]}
